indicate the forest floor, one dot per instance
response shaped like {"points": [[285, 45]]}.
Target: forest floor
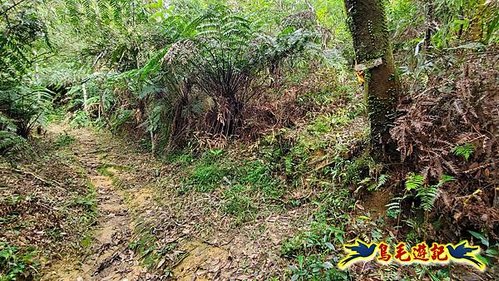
{"points": [[99, 208], [145, 229], [109, 256], [90, 205]]}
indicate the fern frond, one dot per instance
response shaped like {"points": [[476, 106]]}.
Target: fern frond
{"points": [[394, 208], [428, 195], [11, 144], [464, 150], [414, 181]]}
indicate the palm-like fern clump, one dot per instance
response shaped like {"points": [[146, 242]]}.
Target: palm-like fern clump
{"points": [[232, 56], [205, 70], [217, 59]]}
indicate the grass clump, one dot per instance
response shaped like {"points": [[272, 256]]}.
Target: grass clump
{"points": [[183, 158], [320, 238], [238, 203], [64, 140], [258, 176], [254, 184], [88, 203], [206, 177], [311, 251], [207, 173], [314, 268]]}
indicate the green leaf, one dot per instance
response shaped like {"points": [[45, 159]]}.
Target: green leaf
{"points": [[492, 252], [414, 181], [481, 237], [464, 150], [483, 259], [329, 245]]}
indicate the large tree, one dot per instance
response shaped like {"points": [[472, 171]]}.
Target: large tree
{"points": [[374, 57]]}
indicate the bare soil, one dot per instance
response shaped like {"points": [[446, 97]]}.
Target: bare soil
{"points": [[147, 230], [110, 257]]}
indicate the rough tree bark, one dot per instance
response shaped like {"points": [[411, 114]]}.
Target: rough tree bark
{"points": [[367, 22]]}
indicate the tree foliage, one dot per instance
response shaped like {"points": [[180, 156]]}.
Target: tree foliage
{"points": [[21, 101]]}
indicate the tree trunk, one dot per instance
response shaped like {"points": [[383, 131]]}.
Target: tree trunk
{"points": [[430, 25], [367, 22], [177, 129], [230, 110], [85, 98]]}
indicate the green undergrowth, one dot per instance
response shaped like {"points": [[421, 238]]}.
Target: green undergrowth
{"points": [[111, 171], [31, 231], [318, 157], [17, 263], [328, 157], [314, 252], [63, 140], [245, 185], [104, 170], [322, 163]]}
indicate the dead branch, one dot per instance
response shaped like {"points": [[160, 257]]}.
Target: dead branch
{"points": [[37, 177]]}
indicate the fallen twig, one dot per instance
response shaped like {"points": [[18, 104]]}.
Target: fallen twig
{"points": [[479, 167], [39, 178]]}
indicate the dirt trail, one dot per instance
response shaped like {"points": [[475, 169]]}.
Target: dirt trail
{"points": [[143, 217], [110, 258]]}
